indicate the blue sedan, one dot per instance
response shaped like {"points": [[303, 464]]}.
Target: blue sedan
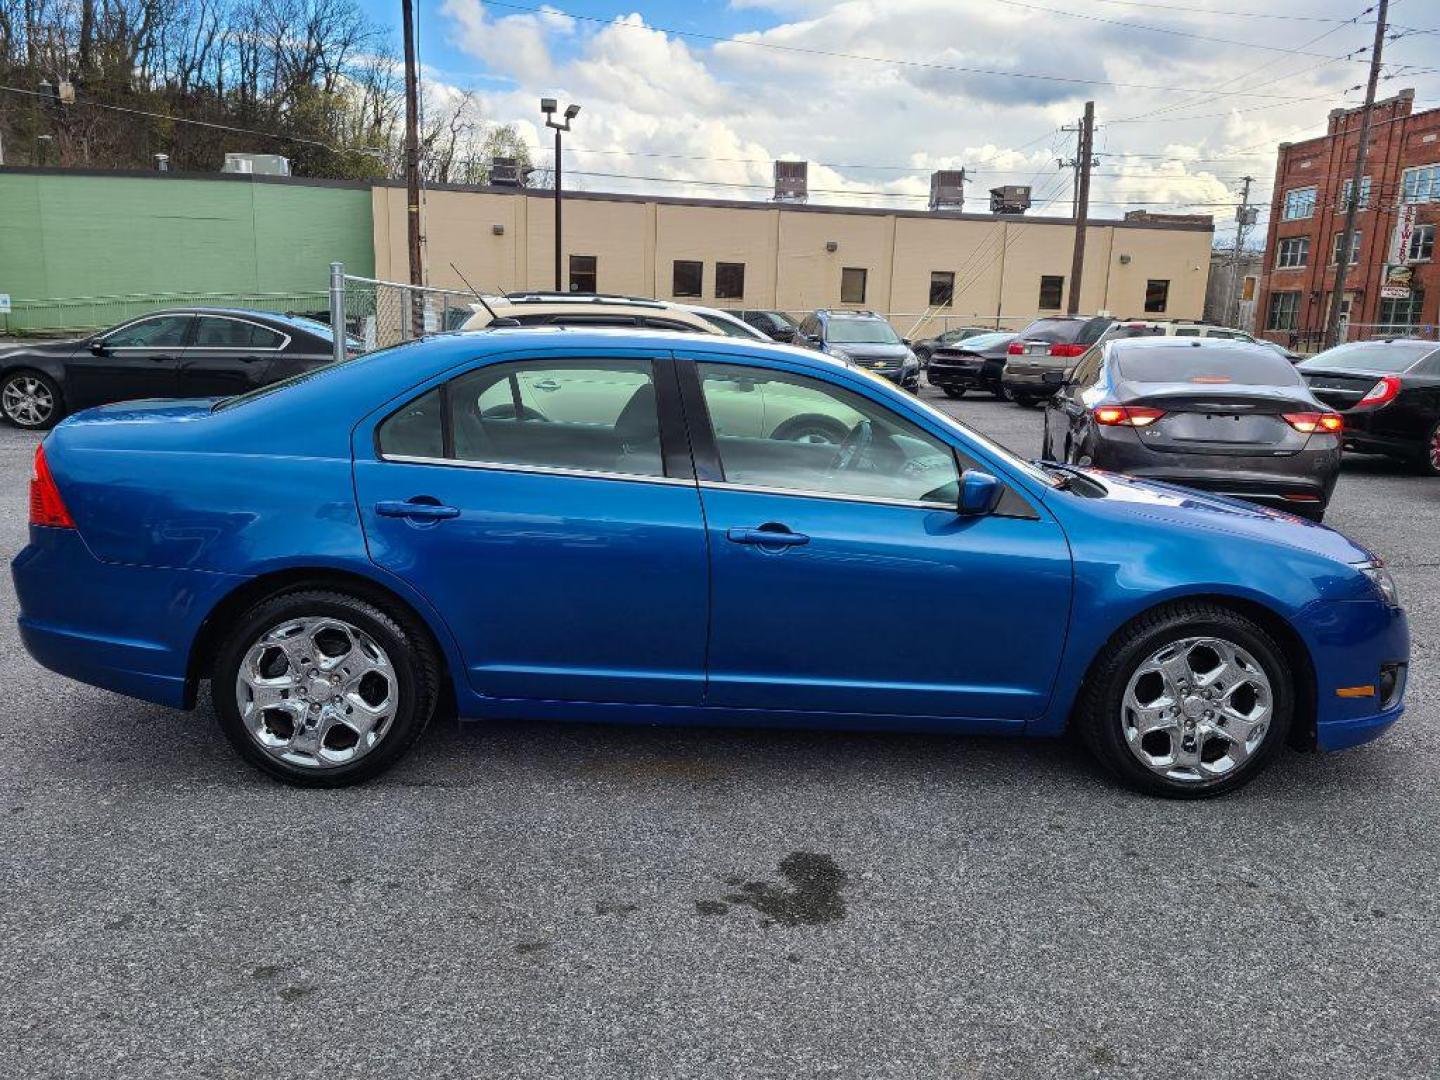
{"points": [[616, 527]]}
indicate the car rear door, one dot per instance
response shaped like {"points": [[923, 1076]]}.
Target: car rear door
{"points": [[228, 356], [547, 509], [139, 359], [842, 578]]}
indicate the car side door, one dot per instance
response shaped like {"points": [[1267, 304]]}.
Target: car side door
{"points": [[1066, 412], [843, 578], [228, 355], [546, 507], [138, 359]]}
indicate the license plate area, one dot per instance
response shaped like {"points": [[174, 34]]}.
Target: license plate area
{"points": [[1221, 428]]}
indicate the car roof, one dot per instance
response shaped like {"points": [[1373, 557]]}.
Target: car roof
{"points": [[845, 313], [583, 304], [1166, 341]]}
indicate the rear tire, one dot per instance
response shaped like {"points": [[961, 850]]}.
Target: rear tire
{"points": [[395, 671], [1115, 702], [30, 400], [1026, 401], [953, 392], [1430, 453]]}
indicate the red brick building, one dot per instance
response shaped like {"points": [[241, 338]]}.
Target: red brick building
{"points": [[1386, 291]]}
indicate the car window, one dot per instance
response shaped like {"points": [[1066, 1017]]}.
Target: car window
{"points": [[861, 332], [1091, 331], [591, 415], [810, 327], [778, 430], [1239, 365], [1378, 356], [1087, 369], [1187, 331], [1054, 331], [416, 430], [218, 333], [162, 332]]}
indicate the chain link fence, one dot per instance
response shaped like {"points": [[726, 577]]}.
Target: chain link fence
{"points": [[377, 314]]}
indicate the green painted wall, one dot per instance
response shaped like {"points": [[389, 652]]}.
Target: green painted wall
{"points": [[84, 250]]}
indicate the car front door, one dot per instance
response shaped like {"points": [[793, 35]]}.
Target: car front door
{"points": [[228, 356], [140, 359], [547, 509], [843, 579]]}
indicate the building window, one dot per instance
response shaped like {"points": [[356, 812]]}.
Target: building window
{"points": [[1299, 203], [942, 288], [1052, 288], [1354, 248], [852, 285], [1398, 316], [1422, 244], [729, 281], [1284, 310], [1293, 251], [1364, 194], [689, 279], [584, 270], [1421, 184], [1157, 294]]}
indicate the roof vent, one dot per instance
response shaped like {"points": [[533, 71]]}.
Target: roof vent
{"points": [[791, 181]]}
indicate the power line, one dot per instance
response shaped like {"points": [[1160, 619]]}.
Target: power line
{"points": [[918, 64]]}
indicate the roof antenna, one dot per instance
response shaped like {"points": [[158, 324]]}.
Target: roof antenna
{"points": [[495, 320]]}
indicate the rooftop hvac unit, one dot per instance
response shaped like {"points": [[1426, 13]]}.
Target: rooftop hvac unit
{"points": [[257, 164], [947, 189], [791, 181], [1010, 199], [507, 172]]}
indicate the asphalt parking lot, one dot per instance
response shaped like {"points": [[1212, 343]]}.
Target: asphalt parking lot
{"points": [[563, 901]]}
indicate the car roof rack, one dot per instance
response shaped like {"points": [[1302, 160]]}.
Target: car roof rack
{"points": [[542, 296], [848, 311]]}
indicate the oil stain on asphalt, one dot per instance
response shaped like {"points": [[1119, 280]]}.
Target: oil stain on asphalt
{"points": [[810, 897]]}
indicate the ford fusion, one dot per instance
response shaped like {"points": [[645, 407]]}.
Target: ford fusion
{"points": [[644, 528]]}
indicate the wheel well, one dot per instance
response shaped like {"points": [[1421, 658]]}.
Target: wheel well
{"points": [[212, 630], [1302, 728]]}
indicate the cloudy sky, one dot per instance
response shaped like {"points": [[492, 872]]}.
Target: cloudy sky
{"points": [[698, 97]]}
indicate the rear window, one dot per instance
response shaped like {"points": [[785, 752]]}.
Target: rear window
{"points": [[1204, 366], [1065, 331], [985, 341], [1394, 357]]}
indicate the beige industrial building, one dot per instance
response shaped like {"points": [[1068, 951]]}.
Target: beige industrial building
{"points": [[993, 269]]}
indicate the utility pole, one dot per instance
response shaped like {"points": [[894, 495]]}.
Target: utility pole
{"points": [[1082, 206], [1347, 236], [1244, 217], [412, 166]]}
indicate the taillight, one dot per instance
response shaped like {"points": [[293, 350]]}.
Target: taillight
{"points": [[1383, 392], [1127, 415], [1015, 349], [1310, 422], [1061, 349], [46, 506]]}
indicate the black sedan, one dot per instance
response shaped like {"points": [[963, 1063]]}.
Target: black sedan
{"points": [[1217, 415], [926, 347], [1389, 394], [973, 364], [186, 352]]}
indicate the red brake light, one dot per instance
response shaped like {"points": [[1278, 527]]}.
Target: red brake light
{"points": [[1383, 392], [1127, 415], [1310, 422], [1061, 349], [1015, 349], [46, 506]]}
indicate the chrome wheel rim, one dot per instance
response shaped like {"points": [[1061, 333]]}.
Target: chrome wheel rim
{"points": [[26, 400], [1435, 448], [1197, 710], [316, 692]]}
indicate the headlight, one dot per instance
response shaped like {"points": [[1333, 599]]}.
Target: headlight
{"points": [[911, 360], [838, 353], [1384, 584]]}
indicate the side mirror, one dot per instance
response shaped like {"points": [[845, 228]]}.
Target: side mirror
{"points": [[906, 342], [1053, 378], [99, 348], [979, 493], [813, 339]]}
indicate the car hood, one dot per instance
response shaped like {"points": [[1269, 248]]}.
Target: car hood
{"points": [[61, 348], [1170, 504], [864, 351]]}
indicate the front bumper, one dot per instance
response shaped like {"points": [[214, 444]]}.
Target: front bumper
{"points": [[124, 628], [968, 373], [1349, 642]]}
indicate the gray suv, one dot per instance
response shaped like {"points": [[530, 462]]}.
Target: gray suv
{"points": [[1037, 361], [864, 339]]}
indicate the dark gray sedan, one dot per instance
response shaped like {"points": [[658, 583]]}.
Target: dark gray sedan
{"points": [[1221, 416], [976, 363]]}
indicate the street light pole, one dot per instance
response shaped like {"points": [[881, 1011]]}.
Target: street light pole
{"points": [[548, 107]]}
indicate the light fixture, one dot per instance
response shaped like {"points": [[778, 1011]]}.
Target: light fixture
{"points": [[498, 230], [572, 111], [831, 246], [548, 105]]}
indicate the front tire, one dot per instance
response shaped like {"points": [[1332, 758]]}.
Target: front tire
{"points": [[1430, 453], [954, 391], [1189, 701], [31, 400], [1026, 401], [324, 689]]}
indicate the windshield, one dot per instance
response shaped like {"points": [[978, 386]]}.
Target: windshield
{"points": [[1242, 366], [1392, 357], [861, 332], [1008, 456]]}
